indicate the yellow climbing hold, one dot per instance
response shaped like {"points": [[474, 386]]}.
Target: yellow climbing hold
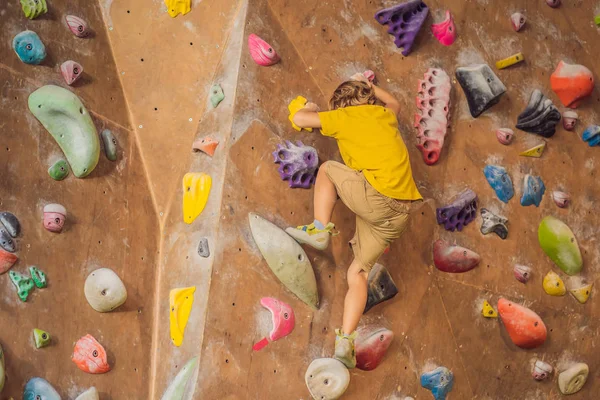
{"points": [[534, 151], [512, 60], [180, 301], [176, 7], [582, 294], [488, 311], [295, 105], [196, 188], [553, 285]]}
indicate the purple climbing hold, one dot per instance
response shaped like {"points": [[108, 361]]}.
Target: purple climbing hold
{"points": [[297, 164], [404, 22], [460, 213]]}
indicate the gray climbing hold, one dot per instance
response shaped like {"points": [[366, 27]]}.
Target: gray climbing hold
{"points": [[59, 170], [481, 86], [11, 223], [540, 116], [327, 379], [90, 394], [493, 223], [6, 241], [203, 249], [110, 144]]}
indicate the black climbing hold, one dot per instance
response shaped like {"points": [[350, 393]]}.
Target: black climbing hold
{"points": [[540, 116], [481, 86], [381, 286]]}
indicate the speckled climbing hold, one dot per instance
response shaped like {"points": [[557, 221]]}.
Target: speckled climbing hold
{"points": [[572, 83], [553, 285], [203, 249], [65, 117], [327, 379], [371, 344], [500, 181], [297, 164], [180, 305], [505, 135], [573, 378], [580, 290], [452, 258], [90, 394], [510, 61], [71, 71], [176, 7], [10, 223], [7, 260], [206, 145], [23, 284], [488, 311], [34, 8], [262, 52], [522, 273], [561, 199], [481, 86], [6, 242], [77, 25], [196, 189], [541, 370], [104, 290], [2, 369], [182, 384], [216, 95], [286, 259], [525, 328], [90, 356], [445, 31], [459, 213], [404, 21], [553, 3], [535, 151], [110, 144], [29, 47], [491, 222], [41, 338], [439, 381], [540, 116], [282, 317], [38, 276], [559, 243], [296, 105], [40, 389], [54, 217], [380, 287], [518, 21], [533, 190], [592, 135], [570, 119], [59, 170]]}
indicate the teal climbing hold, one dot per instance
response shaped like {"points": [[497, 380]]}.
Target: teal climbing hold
{"points": [[59, 170], [23, 284], [40, 389], [216, 95], [29, 47], [39, 277]]}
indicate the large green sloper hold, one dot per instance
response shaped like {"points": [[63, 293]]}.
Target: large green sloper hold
{"points": [[559, 243], [63, 114]]}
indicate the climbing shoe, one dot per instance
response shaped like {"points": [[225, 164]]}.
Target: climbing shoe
{"points": [[311, 235], [344, 349]]}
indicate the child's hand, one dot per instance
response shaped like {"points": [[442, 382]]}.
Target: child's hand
{"points": [[360, 77], [311, 107]]}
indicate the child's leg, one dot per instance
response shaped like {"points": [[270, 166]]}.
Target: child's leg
{"points": [[325, 196], [356, 297]]}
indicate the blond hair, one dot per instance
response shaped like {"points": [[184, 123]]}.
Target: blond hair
{"points": [[352, 93]]}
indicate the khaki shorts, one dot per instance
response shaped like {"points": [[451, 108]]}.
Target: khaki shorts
{"points": [[379, 219]]}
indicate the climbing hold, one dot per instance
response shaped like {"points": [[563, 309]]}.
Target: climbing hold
{"points": [[90, 356], [286, 259], [572, 83], [500, 181], [592, 135], [41, 338], [404, 22], [541, 370], [505, 135], [493, 223], [180, 304], [297, 164], [29, 47], [540, 116], [431, 119], [380, 287], [370, 75], [39, 277], [7, 260], [34, 8], [327, 379], [445, 31], [196, 188], [262, 52], [452, 258], [553, 3], [518, 21], [176, 7], [559, 243], [460, 212], [522, 273], [553, 285], [90, 394], [533, 190], [597, 19], [23, 284], [372, 342], [216, 95], [104, 290], [71, 71], [10, 223], [110, 144], [570, 118], [512, 60], [439, 381], [206, 145], [54, 217], [6, 241], [2, 369], [182, 383], [573, 378], [65, 117], [296, 105], [580, 290], [203, 249], [561, 199], [525, 328], [481, 86], [40, 389], [59, 170], [283, 319], [77, 25], [534, 151], [488, 311]]}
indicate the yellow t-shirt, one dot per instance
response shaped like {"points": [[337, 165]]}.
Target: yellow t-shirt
{"points": [[370, 142]]}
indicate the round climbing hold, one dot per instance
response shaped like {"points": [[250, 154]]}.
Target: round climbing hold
{"points": [[29, 47], [54, 217], [59, 170], [554, 285], [104, 290], [90, 356], [262, 53], [573, 378], [518, 21], [553, 3], [327, 379]]}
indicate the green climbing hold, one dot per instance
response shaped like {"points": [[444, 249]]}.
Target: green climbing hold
{"points": [[42, 338], [559, 243], [597, 19], [59, 170], [39, 277], [63, 114], [110, 144], [34, 8], [23, 284], [216, 95]]}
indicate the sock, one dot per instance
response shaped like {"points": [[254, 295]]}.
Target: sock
{"points": [[318, 224]]}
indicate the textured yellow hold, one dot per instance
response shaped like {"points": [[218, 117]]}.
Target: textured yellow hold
{"points": [[180, 301], [534, 151], [488, 311], [582, 294], [553, 285], [176, 7], [295, 105], [196, 188], [512, 60]]}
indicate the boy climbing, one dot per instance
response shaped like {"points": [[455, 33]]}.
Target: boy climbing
{"points": [[376, 184]]}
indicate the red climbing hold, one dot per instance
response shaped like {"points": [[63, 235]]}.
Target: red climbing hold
{"points": [[371, 345], [525, 328], [454, 259], [7, 260]]}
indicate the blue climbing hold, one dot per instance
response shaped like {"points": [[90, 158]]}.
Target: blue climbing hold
{"points": [[592, 135], [533, 190], [439, 381], [500, 181], [29, 47]]}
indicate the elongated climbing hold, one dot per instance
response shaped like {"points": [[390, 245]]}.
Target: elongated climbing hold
{"points": [[34, 8], [522, 273], [38, 276], [10, 223], [459, 213], [510, 61], [216, 95], [525, 328], [372, 342], [580, 290], [380, 287], [327, 379], [6, 242], [540, 116], [439, 381], [488, 311], [7, 260], [505, 135], [286, 259], [591, 135], [90, 356], [297, 164], [282, 317], [196, 189], [104, 290], [533, 190], [54, 217], [491, 222], [180, 305], [110, 144], [296, 105], [262, 52], [40, 389], [404, 22], [445, 31], [453, 259], [90, 394], [561, 199], [572, 83], [570, 119], [573, 378], [518, 21], [176, 7], [500, 181], [559, 243], [23, 284], [553, 285], [77, 26], [59, 170], [71, 71], [206, 145], [541, 370], [183, 383], [29, 47], [41, 338], [481, 86], [63, 114], [2, 369], [535, 151]]}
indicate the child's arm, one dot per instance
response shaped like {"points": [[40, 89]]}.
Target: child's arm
{"points": [[308, 117], [385, 97]]}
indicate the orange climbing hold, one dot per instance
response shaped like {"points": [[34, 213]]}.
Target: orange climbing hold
{"points": [[7, 260], [206, 145], [572, 83], [525, 328]]}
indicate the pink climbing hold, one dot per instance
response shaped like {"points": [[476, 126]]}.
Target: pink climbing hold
{"points": [[518, 21], [283, 319], [553, 3], [77, 25], [262, 53], [370, 75], [54, 217], [445, 31], [71, 71], [505, 135]]}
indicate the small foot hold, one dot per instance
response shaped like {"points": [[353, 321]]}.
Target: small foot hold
{"points": [[372, 342], [572, 83], [445, 31], [592, 135], [296, 105], [34, 8], [6, 241], [71, 71], [282, 317], [41, 338], [262, 52], [370, 75], [453, 259], [559, 243], [40, 389], [505, 135], [23, 284], [54, 217], [536, 151], [510, 61], [573, 378], [541, 370], [196, 189], [540, 116], [561, 199], [110, 144], [38, 276], [522, 273], [216, 95], [518, 21], [580, 289], [59, 170], [439, 381], [459, 213], [90, 356], [533, 190], [180, 301], [525, 328], [203, 248], [207, 145], [176, 7], [380, 287], [297, 164], [553, 284], [29, 47], [104, 290], [493, 223], [481, 86], [570, 119], [404, 21], [488, 311], [327, 379], [77, 25]]}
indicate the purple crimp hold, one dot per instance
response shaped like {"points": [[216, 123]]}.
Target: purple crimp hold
{"points": [[297, 164], [460, 213], [404, 22]]}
